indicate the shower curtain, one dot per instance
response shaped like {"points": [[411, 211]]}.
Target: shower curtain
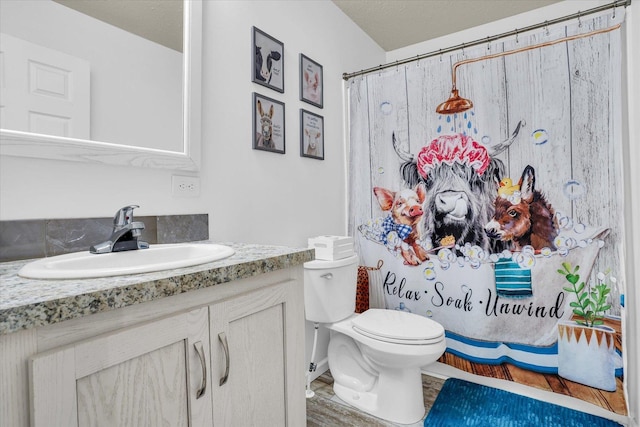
{"points": [[439, 197]]}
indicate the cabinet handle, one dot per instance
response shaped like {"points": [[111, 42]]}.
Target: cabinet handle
{"points": [[203, 362], [225, 346]]}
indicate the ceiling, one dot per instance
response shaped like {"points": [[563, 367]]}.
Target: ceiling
{"points": [[390, 23], [157, 20], [398, 23]]}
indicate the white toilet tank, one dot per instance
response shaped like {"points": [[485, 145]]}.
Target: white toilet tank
{"points": [[330, 289]]}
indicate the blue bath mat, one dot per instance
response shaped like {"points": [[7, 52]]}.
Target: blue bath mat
{"points": [[461, 403]]}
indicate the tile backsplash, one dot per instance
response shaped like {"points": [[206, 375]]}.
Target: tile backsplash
{"points": [[25, 239]]}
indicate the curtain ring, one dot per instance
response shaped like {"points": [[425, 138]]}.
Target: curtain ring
{"points": [[517, 41], [488, 44], [417, 61], [579, 19], [614, 11], [440, 55], [462, 49], [546, 28]]}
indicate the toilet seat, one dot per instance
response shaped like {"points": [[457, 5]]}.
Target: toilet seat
{"points": [[398, 327]]}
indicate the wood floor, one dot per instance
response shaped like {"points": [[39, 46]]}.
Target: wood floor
{"points": [[325, 409]]}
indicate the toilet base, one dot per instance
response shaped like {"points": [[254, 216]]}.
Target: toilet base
{"points": [[397, 397]]}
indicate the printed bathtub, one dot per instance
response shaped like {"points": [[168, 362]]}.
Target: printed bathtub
{"points": [[495, 308]]}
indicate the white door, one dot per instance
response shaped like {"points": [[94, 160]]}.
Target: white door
{"points": [[43, 90]]}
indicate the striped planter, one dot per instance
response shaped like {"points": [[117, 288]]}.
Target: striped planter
{"points": [[586, 355]]}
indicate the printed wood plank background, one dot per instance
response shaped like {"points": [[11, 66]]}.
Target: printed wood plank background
{"points": [[537, 84], [568, 96], [611, 401], [360, 159]]}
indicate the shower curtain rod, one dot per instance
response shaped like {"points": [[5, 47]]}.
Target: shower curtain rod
{"points": [[578, 15]]}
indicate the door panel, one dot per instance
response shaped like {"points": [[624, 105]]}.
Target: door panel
{"points": [[252, 327], [144, 375], [43, 90]]}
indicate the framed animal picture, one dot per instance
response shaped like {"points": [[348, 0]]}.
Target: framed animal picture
{"points": [[310, 81], [268, 124], [311, 135], [268, 60]]}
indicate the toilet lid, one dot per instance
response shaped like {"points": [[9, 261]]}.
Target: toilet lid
{"points": [[398, 326]]}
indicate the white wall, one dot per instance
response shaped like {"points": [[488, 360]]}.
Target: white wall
{"points": [[258, 196], [631, 154]]}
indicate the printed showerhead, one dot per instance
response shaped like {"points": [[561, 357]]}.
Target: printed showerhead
{"points": [[455, 104]]}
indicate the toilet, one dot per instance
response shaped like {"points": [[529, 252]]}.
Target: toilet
{"points": [[374, 357]]}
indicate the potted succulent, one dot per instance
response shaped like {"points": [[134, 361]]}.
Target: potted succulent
{"points": [[586, 351]]}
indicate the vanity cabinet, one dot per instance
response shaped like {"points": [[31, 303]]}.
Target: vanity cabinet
{"points": [[250, 344], [162, 362], [153, 374]]}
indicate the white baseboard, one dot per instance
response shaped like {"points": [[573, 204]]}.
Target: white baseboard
{"points": [[321, 368]]}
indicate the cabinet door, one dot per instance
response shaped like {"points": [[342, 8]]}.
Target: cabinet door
{"points": [[251, 353], [147, 375]]}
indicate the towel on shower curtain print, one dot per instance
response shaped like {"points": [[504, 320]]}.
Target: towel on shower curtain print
{"points": [[512, 281]]}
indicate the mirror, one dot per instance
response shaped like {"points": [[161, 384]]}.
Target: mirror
{"points": [[138, 143]]}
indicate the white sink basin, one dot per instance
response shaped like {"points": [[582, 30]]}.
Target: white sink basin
{"points": [[84, 265]]}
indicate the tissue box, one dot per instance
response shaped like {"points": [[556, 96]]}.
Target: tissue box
{"points": [[330, 248]]}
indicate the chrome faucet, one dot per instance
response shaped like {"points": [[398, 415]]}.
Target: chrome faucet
{"points": [[125, 234]]}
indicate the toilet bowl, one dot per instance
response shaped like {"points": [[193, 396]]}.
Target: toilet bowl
{"points": [[374, 357], [380, 374]]}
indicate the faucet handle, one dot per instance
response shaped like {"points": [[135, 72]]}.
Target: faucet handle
{"points": [[124, 216]]}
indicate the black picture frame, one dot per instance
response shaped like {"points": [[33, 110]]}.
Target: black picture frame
{"points": [[268, 124], [311, 135], [311, 82], [267, 64]]}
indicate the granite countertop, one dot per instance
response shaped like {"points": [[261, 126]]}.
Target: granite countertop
{"points": [[28, 303]]}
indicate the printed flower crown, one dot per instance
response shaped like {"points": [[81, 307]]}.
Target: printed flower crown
{"points": [[452, 149]]}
